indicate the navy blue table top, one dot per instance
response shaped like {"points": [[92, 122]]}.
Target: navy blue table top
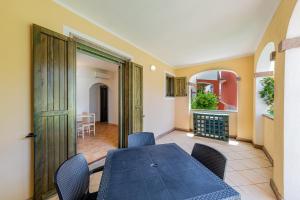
{"points": [[159, 172]]}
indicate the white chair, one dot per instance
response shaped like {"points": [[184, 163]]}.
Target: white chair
{"points": [[81, 129], [93, 123], [89, 119]]}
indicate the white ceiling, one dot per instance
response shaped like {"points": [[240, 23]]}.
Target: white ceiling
{"points": [[182, 32], [86, 61]]}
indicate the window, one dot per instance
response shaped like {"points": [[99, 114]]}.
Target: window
{"points": [[170, 85], [176, 86]]}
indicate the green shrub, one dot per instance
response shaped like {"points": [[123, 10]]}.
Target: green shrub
{"points": [[267, 93], [205, 101]]}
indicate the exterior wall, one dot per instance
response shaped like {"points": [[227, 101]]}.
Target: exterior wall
{"points": [[16, 153], [268, 133], [243, 67], [214, 82], [276, 32], [229, 88]]}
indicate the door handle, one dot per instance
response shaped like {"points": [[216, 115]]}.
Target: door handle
{"points": [[30, 135]]}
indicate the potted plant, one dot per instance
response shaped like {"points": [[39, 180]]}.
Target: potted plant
{"points": [[205, 100], [267, 93]]}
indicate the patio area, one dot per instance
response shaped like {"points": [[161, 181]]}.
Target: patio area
{"points": [[248, 169]]}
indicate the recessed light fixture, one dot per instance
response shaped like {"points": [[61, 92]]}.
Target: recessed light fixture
{"points": [[153, 68]]}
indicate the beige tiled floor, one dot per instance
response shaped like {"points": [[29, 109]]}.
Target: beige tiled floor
{"points": [[248, 170]]}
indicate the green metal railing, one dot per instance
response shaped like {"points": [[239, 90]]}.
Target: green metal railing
{"points": [[211, 125]]}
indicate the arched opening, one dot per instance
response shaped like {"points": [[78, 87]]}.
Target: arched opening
{"points": [[263, 83], [99, 94], [215, 92], [291, 122], [218, 90]]}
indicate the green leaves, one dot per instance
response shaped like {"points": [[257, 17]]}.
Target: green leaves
{"points": [[205, 101], [267, 93]]}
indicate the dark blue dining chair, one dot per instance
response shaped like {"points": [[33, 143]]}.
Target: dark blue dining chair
{"points": [[210, 158], [72, 179], [141, 139]]}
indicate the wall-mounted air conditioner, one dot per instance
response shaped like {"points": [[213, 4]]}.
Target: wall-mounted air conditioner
{"points": [[103, 75]]}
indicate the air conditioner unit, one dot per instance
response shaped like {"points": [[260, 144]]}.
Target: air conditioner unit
{"points": [[102, 75]]}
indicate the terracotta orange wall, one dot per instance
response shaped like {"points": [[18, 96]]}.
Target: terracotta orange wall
{"points": [[214, 82], [229, 88], [243, 67]]}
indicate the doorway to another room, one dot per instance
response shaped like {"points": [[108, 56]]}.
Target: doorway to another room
{"points": [[97, 110]]}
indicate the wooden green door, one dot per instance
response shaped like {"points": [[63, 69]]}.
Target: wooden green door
{"points": [[137, 97], [54, 106]]}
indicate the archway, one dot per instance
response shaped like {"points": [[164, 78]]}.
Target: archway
{"points": [[264, 68], [96, 102], [223, 85], [292, 110]]}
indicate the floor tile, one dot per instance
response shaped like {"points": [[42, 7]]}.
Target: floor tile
{"points": [[247, 171]]}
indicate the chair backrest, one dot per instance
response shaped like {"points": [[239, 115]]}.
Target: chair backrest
{"points": [[93, 117], [85, 117], [141, 139], [210, 158], [72, 178]]}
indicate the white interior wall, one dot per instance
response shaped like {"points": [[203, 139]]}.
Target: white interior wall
{"points": [[263, 64], [85, 80], [95, 100], [159, 110], [291, 112]]}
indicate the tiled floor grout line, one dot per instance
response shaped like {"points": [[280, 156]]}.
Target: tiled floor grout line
{"points": [[258, 189]]}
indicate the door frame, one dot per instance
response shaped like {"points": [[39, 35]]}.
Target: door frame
{"points": [[89, 48]]}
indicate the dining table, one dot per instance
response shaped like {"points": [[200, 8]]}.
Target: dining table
{"points": [[162, 172]]}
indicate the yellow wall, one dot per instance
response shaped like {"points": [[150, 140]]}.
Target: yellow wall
{"points": [[268, 132], [276, 32], [16, 16], [243, 67], [16, 169]]}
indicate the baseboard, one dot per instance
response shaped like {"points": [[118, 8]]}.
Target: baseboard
{"points": [[275, 190], [113, 124], [268, 155], [164, 134], [261, 147], [183, 129], [257, 146], [233, 136], [244, 140]]}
